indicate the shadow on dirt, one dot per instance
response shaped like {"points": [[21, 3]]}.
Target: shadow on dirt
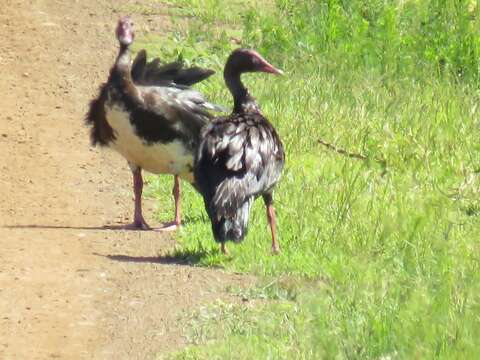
{"points": [[186, 258], [104, 227]]}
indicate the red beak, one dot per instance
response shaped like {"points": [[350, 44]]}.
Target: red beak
{"points": [[265, 66], [268, 68]]}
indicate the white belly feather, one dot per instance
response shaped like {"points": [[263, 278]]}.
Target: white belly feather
{"points": [[169, 158]]}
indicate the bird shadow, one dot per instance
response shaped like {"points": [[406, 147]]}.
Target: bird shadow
{"points": [[104, 227], [39, 226], [186, 221], [179, 257]]}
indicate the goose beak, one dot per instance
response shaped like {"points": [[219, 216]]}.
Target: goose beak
{"points": [[263, 65], [268, 68]]}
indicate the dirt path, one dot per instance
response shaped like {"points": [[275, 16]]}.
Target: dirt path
{"points": [[69, 289]]}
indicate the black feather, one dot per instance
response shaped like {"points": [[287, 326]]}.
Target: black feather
{"points": [[101, 133], [154, 73], [232, 168]]}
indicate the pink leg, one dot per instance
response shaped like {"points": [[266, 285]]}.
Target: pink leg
{"points": [[176, 196], [175, 224], [139, 222], [273, 223]]}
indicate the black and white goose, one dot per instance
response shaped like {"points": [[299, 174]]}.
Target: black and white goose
{"points": [[148, 114], [240, 156]]}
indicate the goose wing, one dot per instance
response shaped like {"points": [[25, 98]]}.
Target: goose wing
{"points": [[186, 109], [172, 74]]}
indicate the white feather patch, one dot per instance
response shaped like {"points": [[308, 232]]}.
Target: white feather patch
{"points": [[169, 158]]}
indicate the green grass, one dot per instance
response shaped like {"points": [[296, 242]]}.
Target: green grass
{"points": [[393, 245]]}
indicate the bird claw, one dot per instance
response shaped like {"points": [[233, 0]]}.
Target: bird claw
{"points": [[167, 227], [275, 250], [223, 249], [136, 225]]}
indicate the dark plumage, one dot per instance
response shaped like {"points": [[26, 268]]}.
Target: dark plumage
{"points": [[240, 156], [147, 112], [172, 74]]}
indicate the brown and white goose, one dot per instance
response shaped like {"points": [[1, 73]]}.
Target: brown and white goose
{"points": [[148, 113], [239, 157]]}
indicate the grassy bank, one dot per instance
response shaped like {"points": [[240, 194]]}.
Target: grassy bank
{"points": [[384, 252]]}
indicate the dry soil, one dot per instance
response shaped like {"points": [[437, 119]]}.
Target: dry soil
{"points": [[69, 288]]}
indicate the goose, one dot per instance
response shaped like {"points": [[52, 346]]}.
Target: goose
{"points": [[148, 113], [240, 156]]}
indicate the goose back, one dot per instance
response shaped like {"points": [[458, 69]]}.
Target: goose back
{"points": [[239, 158]]}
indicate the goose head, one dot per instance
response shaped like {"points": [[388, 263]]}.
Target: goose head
{"points": [[247, 60], [125, 34]]}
